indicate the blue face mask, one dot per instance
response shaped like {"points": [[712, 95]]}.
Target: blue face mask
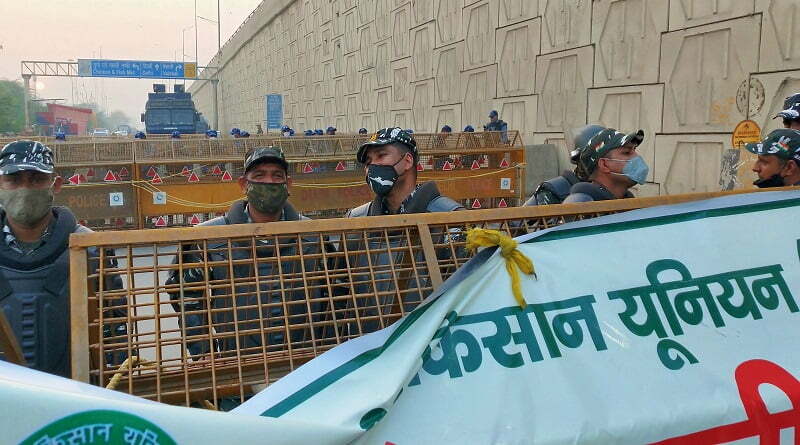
{"points": [[635, 169]]}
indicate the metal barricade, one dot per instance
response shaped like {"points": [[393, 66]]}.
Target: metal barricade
{"points": [[215, 313], [163, 182]]}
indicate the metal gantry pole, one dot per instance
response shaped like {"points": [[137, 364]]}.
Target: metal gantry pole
{"points": [[25, 99], [196, 59]]}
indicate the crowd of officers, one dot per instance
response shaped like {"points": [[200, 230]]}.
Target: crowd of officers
{"points": [[34, 266]]}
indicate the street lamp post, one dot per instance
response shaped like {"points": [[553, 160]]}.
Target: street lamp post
{"points": [[196, 60]]}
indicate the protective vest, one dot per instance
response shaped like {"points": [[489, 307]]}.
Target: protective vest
{"points": [[34, 296], [247, 296], [426, 198], [558, 188], [587, 191], [499, 125]]}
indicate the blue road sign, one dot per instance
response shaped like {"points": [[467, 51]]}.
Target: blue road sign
{"points": [[136, 69], [274, 109]]}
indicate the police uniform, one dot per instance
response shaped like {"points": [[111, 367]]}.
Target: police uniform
{"points": [[425, 198], [34, 277], [597, 147], [783, 143], [270, 291]]}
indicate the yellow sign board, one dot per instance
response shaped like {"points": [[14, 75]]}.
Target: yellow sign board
{"points": [[745, 132], [190, 69]]}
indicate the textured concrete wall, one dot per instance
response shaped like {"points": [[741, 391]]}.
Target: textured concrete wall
{"points": [[686, 71]]}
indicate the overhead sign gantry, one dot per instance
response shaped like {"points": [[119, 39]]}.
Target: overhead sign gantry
{"points": [[132, 69]]}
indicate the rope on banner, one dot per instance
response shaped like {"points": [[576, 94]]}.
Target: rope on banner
{"points": [[477, 237]]}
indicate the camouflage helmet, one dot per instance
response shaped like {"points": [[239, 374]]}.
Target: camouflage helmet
{"points": [[602, 143], [577, 139]]}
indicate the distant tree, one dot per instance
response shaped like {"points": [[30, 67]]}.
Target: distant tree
{"points": [[12, 112], [104, 119]]}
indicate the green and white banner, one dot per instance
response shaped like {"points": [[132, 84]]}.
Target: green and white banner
{"points": [[658, 325]]}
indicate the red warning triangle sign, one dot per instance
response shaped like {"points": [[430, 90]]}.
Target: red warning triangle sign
{"points": [[194, 220], [151, 172], [226, 177], [504, 163], [307, 168], [156, 179], [123, 172], [476, 204], [161, 222], [447, 166], [340, 166], [502, 204], [216, 171], [186, 171], [475, 165], [420, 167], [90, 173], [75, 179], [110, 177], [194, 178]]}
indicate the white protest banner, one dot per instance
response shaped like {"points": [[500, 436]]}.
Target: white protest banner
{"points": [[675, 325], [655, 325], [38, 409]]}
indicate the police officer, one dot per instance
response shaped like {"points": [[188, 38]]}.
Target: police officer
{"points": [[446, 129], [612, 166], [362, 131], [265, 184], [555, 190], [390, 159], [34, 259], [778, 162], [330, 131], [791, 112], [496, 124]]}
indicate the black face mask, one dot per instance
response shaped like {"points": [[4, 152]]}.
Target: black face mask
{"points": [[775, 180], [382, 178]]}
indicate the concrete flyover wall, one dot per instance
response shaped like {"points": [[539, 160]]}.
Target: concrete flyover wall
{"points": [[686, 71]]}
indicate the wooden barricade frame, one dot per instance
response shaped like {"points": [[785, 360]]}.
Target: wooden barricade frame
{"points": [[419, 251]]}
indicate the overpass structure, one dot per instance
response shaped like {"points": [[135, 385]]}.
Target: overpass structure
{"points": [[685, 71]]}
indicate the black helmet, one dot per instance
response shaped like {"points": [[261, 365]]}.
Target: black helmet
{"points": [[791, 108], [603, 142]]}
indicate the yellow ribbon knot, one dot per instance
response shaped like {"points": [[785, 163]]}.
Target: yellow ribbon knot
{"points": [[508, 249]]}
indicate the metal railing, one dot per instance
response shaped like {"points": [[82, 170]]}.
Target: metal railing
{"points": [[207, 326]]}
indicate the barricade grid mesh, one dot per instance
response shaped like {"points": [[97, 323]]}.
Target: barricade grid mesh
{"points": [[218, 312]]}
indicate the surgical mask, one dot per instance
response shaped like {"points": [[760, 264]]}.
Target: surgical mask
{"points": [[27, 206], [775, 180], [635, 169], [382, 178], [267, 198]]}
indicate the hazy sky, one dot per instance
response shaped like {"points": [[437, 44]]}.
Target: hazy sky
{"points": [[59, 30]]}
